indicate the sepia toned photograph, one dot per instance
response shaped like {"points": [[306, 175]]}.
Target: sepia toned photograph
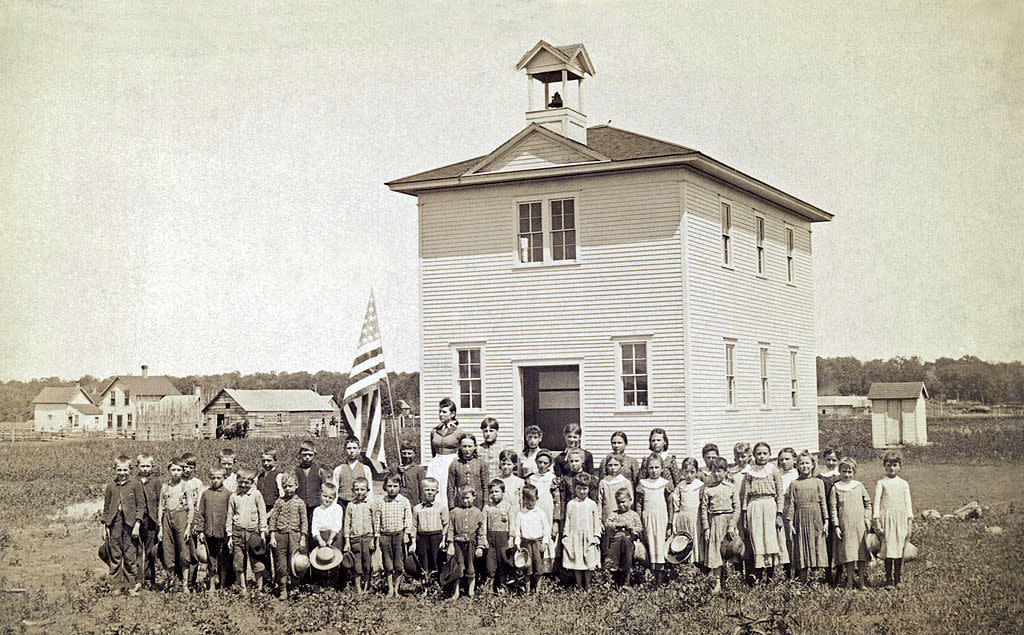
{"points": [[532, 316]]}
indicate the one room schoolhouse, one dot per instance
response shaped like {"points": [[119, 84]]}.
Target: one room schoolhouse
{"points": [[604, 277]]}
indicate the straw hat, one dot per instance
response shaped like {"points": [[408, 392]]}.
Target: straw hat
{"points": [[202, 554], [680, 546], [325, 558], [256, 545], [733, 549], [300, 564], [872, 542], [909, 551], [639, 551], [522, 558], [348, 560]]}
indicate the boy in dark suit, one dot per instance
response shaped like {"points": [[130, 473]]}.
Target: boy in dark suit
{"points": [[149, 528], [123, 506]]}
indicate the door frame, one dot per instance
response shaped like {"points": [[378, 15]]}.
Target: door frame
{"points": [[518, 414]]}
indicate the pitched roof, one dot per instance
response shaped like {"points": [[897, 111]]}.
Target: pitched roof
{"points": [[58, 394], [897, 390], [280, 400], [844, 400], [87, 408], [153, 385]]}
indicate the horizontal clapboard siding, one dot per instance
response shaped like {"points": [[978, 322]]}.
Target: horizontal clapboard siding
{"points": [[736, 303], [627, 282], [535, 151]]}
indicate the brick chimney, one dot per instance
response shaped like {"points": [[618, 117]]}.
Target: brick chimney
{"points": [[145, 370]]}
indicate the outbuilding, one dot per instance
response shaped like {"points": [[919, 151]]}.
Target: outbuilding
{"points": [[843, 405], [898, 414], [272, 413], [65, 410]]}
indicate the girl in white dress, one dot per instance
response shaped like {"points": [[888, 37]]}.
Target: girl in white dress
{"points": [[684, 505], [548, 500], [652, 494], [894, 516], [581, 551]]}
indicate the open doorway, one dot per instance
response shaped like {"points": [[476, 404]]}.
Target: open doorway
{"points": [[551, 399]]}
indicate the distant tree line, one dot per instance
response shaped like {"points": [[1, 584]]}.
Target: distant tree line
{"points": [[16, 396], [964, 379]]}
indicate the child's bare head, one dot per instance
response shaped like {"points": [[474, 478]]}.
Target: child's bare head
{"points": [[145, 463], [466, 496], [623, 499], [329, 492], [529, 495], [122, 467], [217, 475], [360, 487], [430, 486]]}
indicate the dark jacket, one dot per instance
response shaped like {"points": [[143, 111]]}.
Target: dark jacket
{"points": [[129, 497], [151, 498], [213, 512], [266, 483], [412, 482], [309, 488]]}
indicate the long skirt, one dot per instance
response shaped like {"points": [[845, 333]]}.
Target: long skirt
{"points": [[762, 532], [687, 520], [718, 529], [809, 542]]}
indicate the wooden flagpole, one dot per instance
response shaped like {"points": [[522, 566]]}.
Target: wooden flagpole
{"points": [[387, 380]]}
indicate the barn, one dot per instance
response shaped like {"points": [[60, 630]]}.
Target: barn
{"points": [[65, 410], [272, 413], [605, 277], [898, 413]]}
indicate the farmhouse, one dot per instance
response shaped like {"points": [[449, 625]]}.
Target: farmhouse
{"points": [[273, 413], [600, 276], [120, 397], [65, 410], [843, 405], [898, 413]]}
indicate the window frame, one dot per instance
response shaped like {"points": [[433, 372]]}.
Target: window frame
{"points": [[730, 373], [620, 376], [128, 421], [726, 222], [456, 377], [125, 398], [794, 381], [760, 237], [113, 398], [520, 234], [763, 360], [547, 232], [110, 421], [790, 253]]}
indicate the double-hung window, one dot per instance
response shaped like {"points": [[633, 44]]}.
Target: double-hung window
{"points": [[469, 378], [726, 233], [790, 248], [792, 379], [730, 374], [764, 375], [546, 230], [759, 231], [633, 374], [126, 398]]}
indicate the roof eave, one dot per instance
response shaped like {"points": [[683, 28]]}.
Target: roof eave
{"points": [[696, 160]]}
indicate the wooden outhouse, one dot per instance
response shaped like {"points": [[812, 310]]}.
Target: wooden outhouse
{"points": [[65, 410], [898, 413], [273, 413], [598, 276]]}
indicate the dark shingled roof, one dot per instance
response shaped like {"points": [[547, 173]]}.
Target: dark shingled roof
{"points": [[897, 390], [57, 394], [614, 143], [156, 385]]}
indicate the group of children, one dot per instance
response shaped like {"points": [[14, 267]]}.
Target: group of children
{"points": [[505, 517]]}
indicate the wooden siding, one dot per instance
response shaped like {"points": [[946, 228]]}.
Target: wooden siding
{"points": [[265, 424], [626, 282], [535, 151], [735, 302]]}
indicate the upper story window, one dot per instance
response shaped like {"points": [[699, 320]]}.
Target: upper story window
{"points": [[759, 235], [470, 382], [764, 375], [726, 233], [792, 379], [730, 374], [790, 247], [113, 399], [546, 230], [633, 374], [126, 399]]}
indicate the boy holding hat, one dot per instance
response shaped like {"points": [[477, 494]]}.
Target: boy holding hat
{"points": [[359, 534], [326, 528], [288, 530], [211, 523], [246, 526]]}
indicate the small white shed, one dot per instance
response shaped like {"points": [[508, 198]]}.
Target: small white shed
{"points": [[898, 414]]}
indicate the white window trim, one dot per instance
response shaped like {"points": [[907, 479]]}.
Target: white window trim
{"points": [[727, 256], [790, 254], [546, 232], [620, 405], [760, 244], [794, 378], [456, 393], [764, 368], [730, 379]]}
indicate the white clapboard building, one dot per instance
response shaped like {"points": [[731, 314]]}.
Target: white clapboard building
{"points": [[601, 276]]}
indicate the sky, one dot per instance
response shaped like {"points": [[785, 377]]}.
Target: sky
{"points": [[200, 186]]}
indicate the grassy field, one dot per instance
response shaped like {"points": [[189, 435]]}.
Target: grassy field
{"points": [[966, 579]]}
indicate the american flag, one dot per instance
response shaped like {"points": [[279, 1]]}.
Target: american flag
{"points": [[362, 400]]}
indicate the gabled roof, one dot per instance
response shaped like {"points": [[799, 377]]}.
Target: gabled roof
{"points": [[158, 385], [536, 129], [624, 150], [573, 56], [59, 394], [87, 408], [897, 390], [844, 400], [278, 400]]}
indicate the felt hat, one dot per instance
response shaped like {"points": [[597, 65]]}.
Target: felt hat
{"points": [[300, 564], [412, 565], [325, 558], [348, 560], [255, 544], [202, 553], [452, 570], [733, 549], [522, 558], [872, 543], [639, 551], [909, 551], [104, 553], [680, 546]]}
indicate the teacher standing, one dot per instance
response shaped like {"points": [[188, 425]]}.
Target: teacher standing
{"points": [[444, 446]]}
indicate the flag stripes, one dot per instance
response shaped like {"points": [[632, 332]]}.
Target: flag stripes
{"points": [[362, 397]]}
